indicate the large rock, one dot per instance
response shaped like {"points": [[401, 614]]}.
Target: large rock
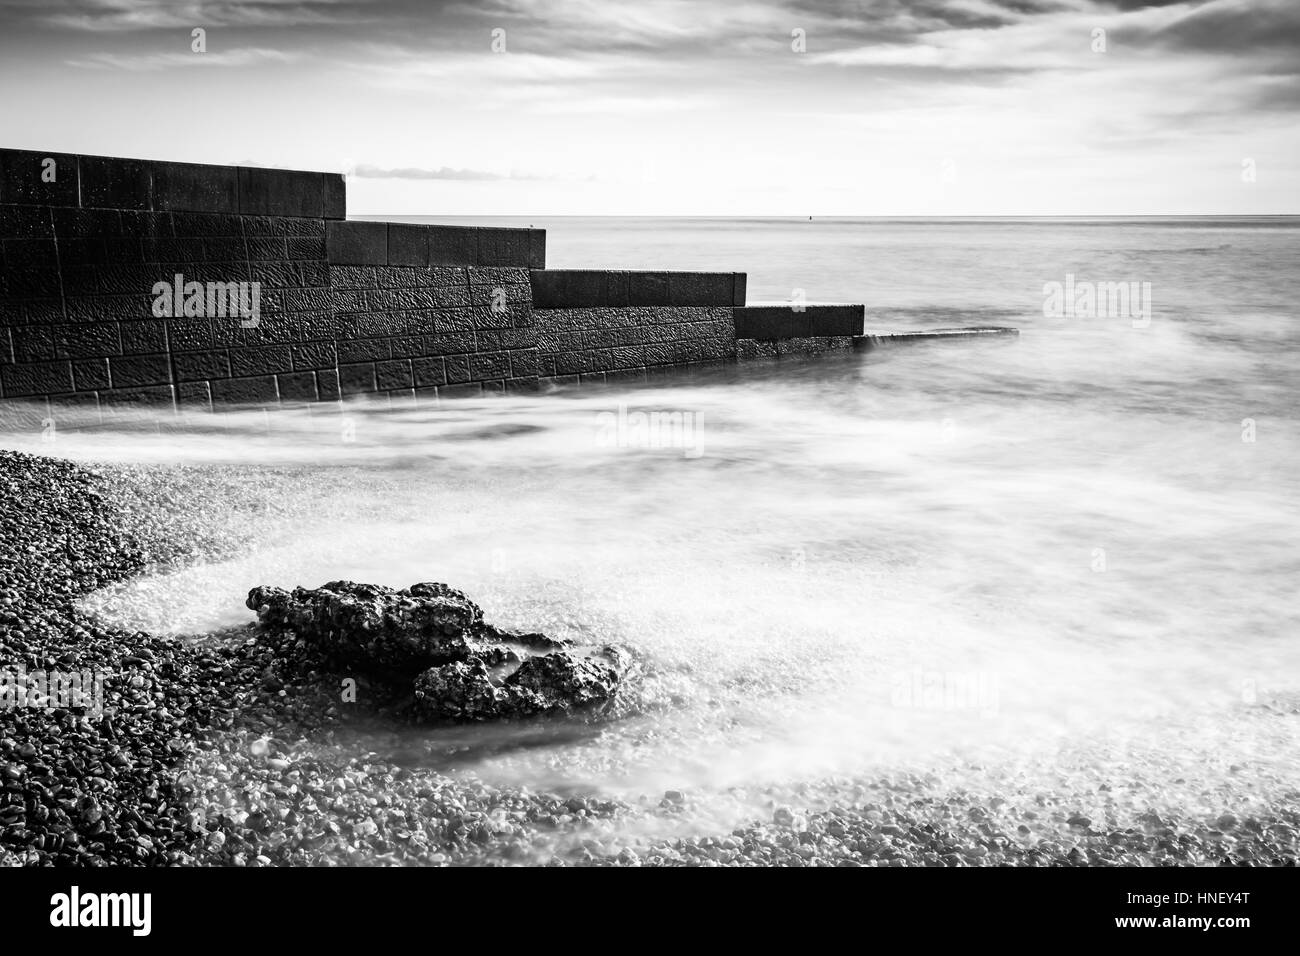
{"points": [[429, 640], [540, 684]]}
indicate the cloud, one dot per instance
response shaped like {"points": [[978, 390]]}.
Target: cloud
{"points": [[124, 16], [440, 172], [148, 62]]}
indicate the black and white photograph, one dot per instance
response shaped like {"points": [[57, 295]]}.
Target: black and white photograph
{"points": [[655, 435]]}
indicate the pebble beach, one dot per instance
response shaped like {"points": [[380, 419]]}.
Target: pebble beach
{"points": [[211, 750]]}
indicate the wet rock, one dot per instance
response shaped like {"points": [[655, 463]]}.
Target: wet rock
{"points": [[376, 628], [429, 641]]}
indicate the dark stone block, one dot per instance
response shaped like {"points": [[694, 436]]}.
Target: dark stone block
{"points": [[408, 244], [141, 225], [334, 196], [194, 187], [119, 399], [29, 254], [205, 225], [297, 386], [771, 322], [87, 340], [497, 275], [282, 227], [355, 379], [314, 326], [452, 245], [496, 340], [618, 289], [353, 277], [29, 283], [190, 334], [47, 311], [429, 371], [245, 391], [198, 366], [112, 183], [491, 365], [307, 300], [379, 324], [701, 288], [327, 385], [648, 288], [33, 343], [457, 368], [130, 371], [262, 360], [504, 247], [86, 223], [314, 355], [38, 378], [835, 320], [281, 192], [449, 343], [524, 363], [348, 301], [221, 248], [275, 275], [268, 248], [407, 346], [26, 222], [23, 175], [363, 350], [625, 356], [738, 288], [528, 383], [194, 395], [143, 336], [537, 248], [394, 374], [567, 288], [305, 248], [82, 252], [356, 243], [313, 274]]}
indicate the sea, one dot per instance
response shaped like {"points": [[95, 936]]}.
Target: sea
{"points": [[1068, 559]]}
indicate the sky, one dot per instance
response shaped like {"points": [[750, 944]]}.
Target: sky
{"points": [[686, 107]]}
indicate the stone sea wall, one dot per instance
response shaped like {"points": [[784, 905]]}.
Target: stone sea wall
{"points": [[128, 283]]}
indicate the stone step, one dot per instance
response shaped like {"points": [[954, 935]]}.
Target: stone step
{"points": [[614, 288], [873, 340], [812, 320], [363, 243], [32, 177]]}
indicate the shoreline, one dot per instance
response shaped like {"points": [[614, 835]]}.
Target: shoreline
{"points": [[207, 756]]}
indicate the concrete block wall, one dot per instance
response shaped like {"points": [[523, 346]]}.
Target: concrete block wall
{"points": [[603, 325], [433, 331], [776, 331], [78, 327], [346, 307], [607, 343]]}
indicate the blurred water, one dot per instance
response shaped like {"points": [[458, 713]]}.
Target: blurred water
{"points": [[901, 557]]}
